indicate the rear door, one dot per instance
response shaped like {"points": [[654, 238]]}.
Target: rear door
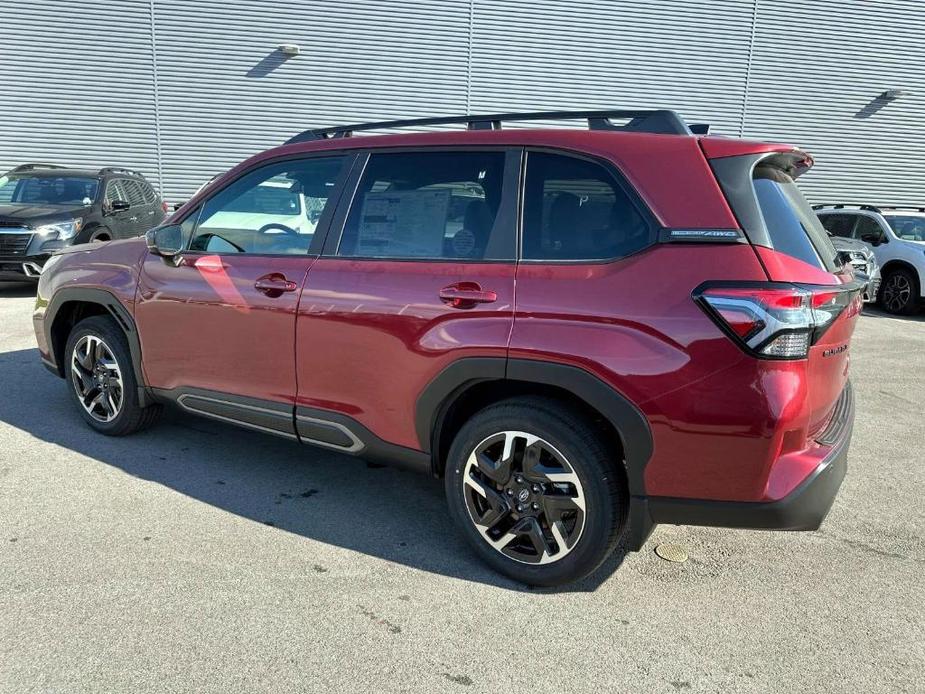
{"points": [[422, 275], [153, 210]]}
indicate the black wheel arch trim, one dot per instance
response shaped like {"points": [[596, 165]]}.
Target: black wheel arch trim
{"points": [[892, 265], [114, 308], [631, 425]]}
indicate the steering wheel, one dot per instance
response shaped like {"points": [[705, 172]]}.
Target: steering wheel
{"points": [[266, 229]]}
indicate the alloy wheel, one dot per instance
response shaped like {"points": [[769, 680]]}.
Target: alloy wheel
{"points": [[524, 497], [896, 292], [96, 378]]}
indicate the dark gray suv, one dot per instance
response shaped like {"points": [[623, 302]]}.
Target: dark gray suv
{"points": [[44, 208]]}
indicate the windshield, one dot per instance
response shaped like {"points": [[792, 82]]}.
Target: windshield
{"points": [[276, 197], [907, 227], [792, 225], [47, 190]]}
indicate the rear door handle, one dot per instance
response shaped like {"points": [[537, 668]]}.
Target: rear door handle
{"points": [[274, 284], [466, 295]]}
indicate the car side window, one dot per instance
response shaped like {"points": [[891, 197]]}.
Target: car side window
{"points": [[838, 224], [274, 209], [574, 209], [867, 226], [132, 189], [148, 192], [114, 192], [437, 205]]}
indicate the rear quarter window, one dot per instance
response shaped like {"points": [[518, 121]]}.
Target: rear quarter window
{"points": [[792, 225], [574, 209]]}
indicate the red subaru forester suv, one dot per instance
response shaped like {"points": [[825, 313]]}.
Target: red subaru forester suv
{"points": [[584, 332]]}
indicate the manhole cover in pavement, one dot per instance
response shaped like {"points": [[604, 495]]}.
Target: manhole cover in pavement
{"points": [[674, 553]]}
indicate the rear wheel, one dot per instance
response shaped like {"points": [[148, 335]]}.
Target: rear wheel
{"points": [[536, 491], [899, 292], [98, 368]]}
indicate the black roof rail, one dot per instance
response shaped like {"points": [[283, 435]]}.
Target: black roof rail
{"points": [[917, 208], [36, 165], [659, 121], [117, 170], [843, 205]]}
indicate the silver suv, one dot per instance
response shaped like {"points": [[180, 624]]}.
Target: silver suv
{"points": [[896, 235]]}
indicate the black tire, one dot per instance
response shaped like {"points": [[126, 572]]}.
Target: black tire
{"points": [[600, 474], [100, 234], [899, 292], [130, 416]]}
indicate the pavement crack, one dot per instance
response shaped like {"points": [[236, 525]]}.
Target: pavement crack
{"points": [[376, 619], [870, 549]]}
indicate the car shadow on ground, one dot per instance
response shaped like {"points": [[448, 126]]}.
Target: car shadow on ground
{"points": [[322, 495], [17, 290]]}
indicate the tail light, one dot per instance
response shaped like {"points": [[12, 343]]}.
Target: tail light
{"points": [[775, 320]]}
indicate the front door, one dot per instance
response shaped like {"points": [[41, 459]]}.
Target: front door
{"points": [[217, 324], [422, 275]]}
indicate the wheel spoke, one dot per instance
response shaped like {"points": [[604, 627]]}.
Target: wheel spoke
{"points": [[96, 401], [530, 530], [86, 355], [497, 509], [555, 505], [86, 378]]}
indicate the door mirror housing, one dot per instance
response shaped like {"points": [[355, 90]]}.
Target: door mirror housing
{"points": [[165, 241], [118, 206], [874, 239]]}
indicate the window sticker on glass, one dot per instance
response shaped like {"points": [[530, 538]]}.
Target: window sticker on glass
{"points": [[403, 223]]}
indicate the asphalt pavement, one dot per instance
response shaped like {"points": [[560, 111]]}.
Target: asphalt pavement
{"points": [[197, 557]]}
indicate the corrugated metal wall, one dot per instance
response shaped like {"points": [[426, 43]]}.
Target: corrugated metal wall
{"points": [[184, 90]]}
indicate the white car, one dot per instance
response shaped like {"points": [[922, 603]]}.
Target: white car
{"points": [[896, 235]]}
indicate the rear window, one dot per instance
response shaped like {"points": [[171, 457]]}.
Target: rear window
{"points": [[791, 223]]}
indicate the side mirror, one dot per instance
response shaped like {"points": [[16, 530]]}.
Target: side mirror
{"points": [[165, 241], [873, 239], [118, 206]]}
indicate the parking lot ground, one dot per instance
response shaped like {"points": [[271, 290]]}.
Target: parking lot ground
{"points": [[200, 557]]}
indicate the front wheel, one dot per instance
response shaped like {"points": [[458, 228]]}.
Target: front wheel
{"points": [[899, 292], [99, 371], [536, 491]]}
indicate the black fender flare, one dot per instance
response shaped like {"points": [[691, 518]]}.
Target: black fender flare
{"points": [[900, 264], [629, 422], [116, 309]]}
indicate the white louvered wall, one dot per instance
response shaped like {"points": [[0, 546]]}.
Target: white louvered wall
{"points": [[183, 90]]}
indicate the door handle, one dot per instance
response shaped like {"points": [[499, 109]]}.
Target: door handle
{"points": [[274, 284], [466, 295]]}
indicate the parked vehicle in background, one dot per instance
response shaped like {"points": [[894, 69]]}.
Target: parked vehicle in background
{"points": [[864, 262], [896, 236], [44, 208], [659, 363], [178, 205]]}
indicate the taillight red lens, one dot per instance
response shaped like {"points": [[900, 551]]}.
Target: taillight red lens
{"points": [[774, 320]]}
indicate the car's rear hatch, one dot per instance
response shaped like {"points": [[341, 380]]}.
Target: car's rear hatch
{"points": [[816, 296]]}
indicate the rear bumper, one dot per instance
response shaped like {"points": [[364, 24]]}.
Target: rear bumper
{"points": [[802, 509]]}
